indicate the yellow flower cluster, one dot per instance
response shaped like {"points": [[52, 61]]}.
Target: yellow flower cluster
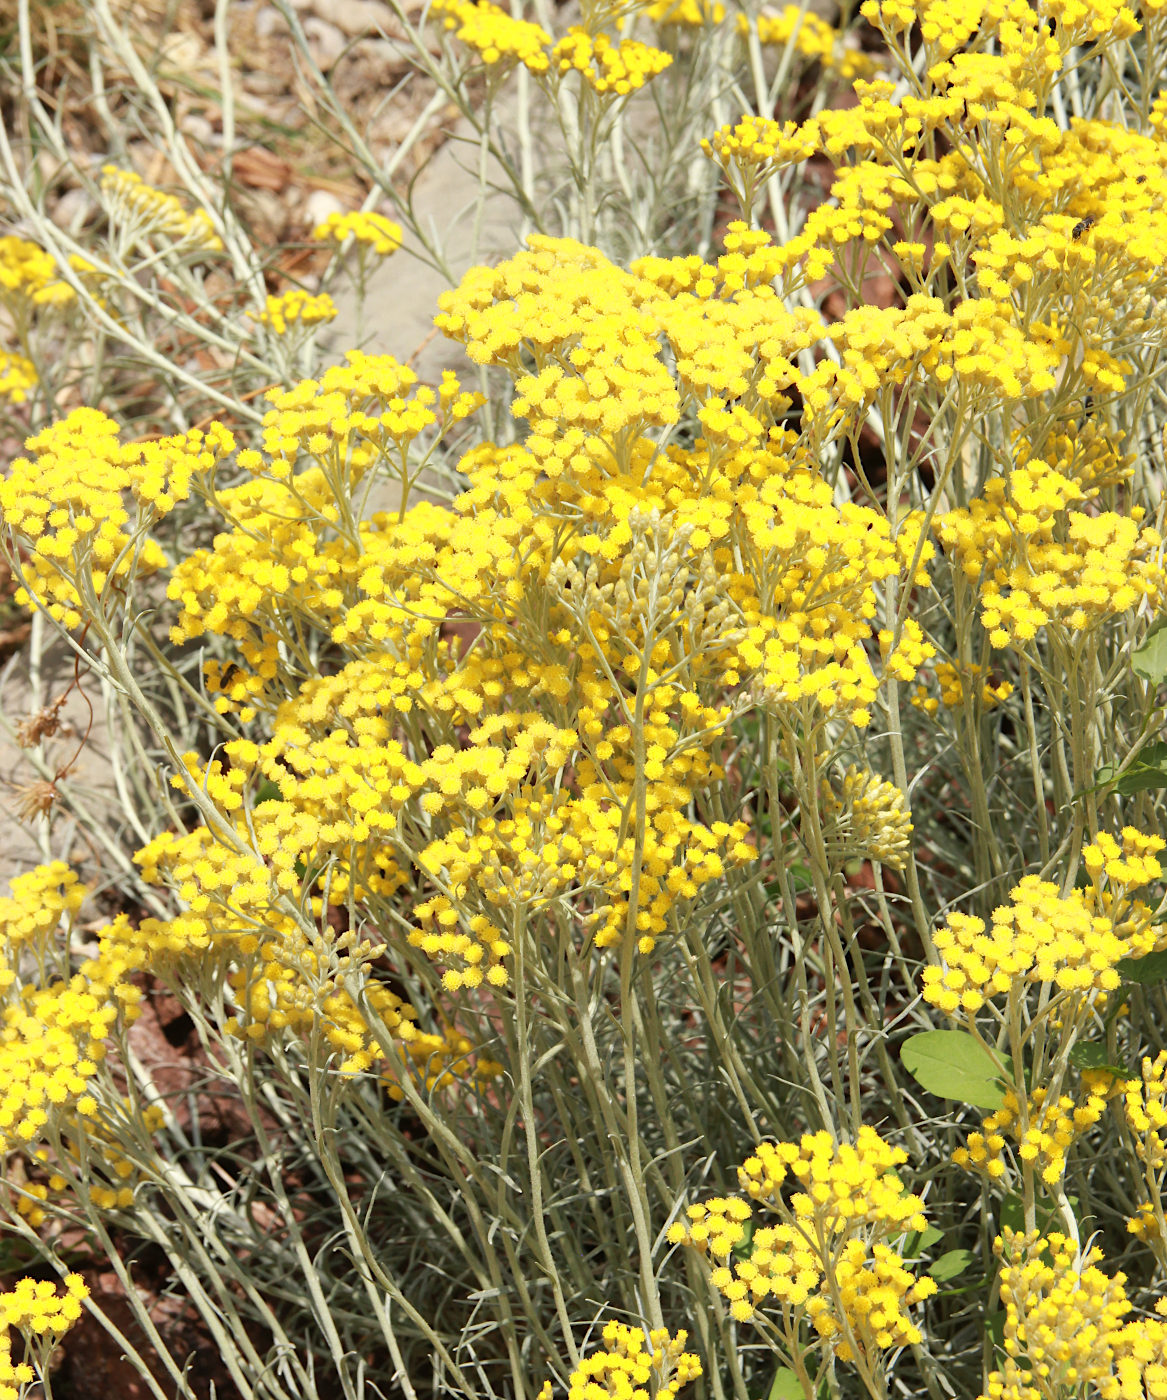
{"points": [[1116, 869], [101, 1153], [292, 551], [869, 819], [337, 794], [1044, 1132], [977, 343], [1073, 941], [18, 376], [1061, 293], [828, 1255], [1145, 1110], [1045, 556], [28, 275], [760, 142], [53, 1024], [68, 504], [443, 1061], [844, 1184], [600, 383], [1065, 1329], [280, 980], [35, 1308], [542, 847], [957, 685], [1145, 1104], [51, 1043], [29, 287], [611, 67], [632, 1367], [608, 67], [277, 991], [296, 308], [691, 13], [273, 564], [498, 37], [33, 912], [283, 979], [142, 213], [367, 229], [754, 150], [359, 413], [867, 1312]]}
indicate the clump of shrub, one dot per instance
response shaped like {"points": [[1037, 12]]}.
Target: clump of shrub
{"points": [[657, 832]]}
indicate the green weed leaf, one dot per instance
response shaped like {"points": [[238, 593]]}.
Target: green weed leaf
{"points": [[995, 1327], [916, 1242], [1144, 971], [1091, 1054], [951, 1265], [1146, 772], [953, 1065], [785, 1385], [1047, 1216], [930, 1237], [1150, 659]]}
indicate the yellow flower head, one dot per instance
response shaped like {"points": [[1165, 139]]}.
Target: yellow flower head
{"points": [[296, 308], [29, 275], [18, 376], [850, 1202], [869, 819], [70, 502], [499, 39], [632, 1366], [144, 213], [1042, 1137], [367, 229], [1074, 941], [1064, 1318], [607, 67]]}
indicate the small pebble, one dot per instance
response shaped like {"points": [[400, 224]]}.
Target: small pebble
{"points": [[72, 209], [198, 129], [269, 22], [326, 43], [356, 16], [318, 206]]}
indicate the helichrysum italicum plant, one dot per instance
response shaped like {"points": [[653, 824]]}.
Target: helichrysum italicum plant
{"points": [[553, 835]]}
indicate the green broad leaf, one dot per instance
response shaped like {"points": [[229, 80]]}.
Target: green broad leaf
{"points": [[1046, 1215], [1147, 771], [267, 792], [1149, 659], [1091, 1054], [745, 1246], [953, 1065], [1012, 1213], [951, 1265], [916, 1242], [785, 1385], [1144, 971], [995, 1327]]}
